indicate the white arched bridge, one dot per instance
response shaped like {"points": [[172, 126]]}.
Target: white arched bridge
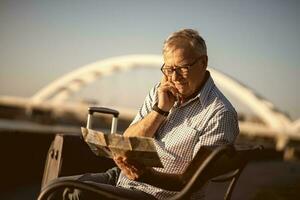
{"points": [[277, 124]]}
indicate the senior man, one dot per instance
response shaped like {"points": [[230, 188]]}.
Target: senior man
{"points": [[183, 112]]}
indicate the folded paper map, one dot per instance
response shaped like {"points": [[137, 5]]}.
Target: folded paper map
{"points": [[141, 149]]}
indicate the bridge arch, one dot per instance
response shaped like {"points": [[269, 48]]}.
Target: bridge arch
{"points": [[62, 88]]}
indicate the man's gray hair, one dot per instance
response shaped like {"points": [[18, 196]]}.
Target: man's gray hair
{"points": [[192, 36]]}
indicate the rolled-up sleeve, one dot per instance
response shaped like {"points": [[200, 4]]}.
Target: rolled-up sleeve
{"points": [[146, 107]]}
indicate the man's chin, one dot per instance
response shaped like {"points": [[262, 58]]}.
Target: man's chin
{"points": [[181, 89]]}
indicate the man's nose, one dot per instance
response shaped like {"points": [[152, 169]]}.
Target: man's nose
{"points": [[175, 75]]}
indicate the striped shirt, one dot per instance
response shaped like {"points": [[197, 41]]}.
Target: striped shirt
{"points": [[208, 119]]}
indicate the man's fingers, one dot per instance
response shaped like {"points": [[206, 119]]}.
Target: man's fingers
{"points": [[168, 84], [127, 171], [124, 164], [169, 88], [133, 165], [130, 168], [119, 163]]}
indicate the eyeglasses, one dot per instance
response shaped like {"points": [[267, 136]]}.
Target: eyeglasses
{"points": [[181, 70]]}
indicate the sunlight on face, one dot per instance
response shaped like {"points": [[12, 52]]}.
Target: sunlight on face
{"points": [[184, 55]]}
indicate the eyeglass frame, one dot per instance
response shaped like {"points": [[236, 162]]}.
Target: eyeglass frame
{"points": [[188, 66]]}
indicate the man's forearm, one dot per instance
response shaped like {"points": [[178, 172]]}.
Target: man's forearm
{"points": [[175, 182], [165, 181], [147, 126]]}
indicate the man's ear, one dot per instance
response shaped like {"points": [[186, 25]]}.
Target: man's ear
{"points": [[204, 60]]}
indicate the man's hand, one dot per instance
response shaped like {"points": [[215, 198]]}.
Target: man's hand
{"points": [[138, 172], [167, 94], [132, 169]]}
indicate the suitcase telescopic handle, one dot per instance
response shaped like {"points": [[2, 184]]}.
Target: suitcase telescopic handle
{"points": [[103, 110]]}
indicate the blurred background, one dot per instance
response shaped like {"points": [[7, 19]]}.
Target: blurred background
{"points": [[253, 43]]}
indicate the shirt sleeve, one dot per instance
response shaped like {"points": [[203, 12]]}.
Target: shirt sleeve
{"points": [[220, 130], [146, 107]]}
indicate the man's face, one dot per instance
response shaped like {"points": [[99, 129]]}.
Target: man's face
{"points": [[184, 55]]}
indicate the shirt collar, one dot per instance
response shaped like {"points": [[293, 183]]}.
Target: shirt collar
{"points": [[203, 93]]}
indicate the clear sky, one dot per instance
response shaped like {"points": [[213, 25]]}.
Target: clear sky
{"points": [[256, 42]]}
